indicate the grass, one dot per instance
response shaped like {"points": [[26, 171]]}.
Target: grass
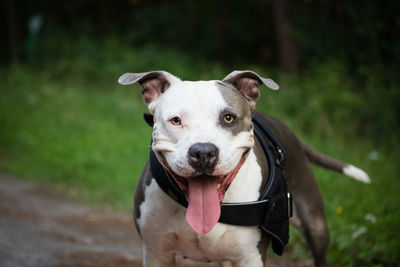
{"points": [[67, 123], [74, 135]]}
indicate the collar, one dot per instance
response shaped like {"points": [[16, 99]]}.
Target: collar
{"points": [[273, 208]]}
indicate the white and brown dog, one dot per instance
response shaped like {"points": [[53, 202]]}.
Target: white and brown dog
{"points": [[203, 135]]}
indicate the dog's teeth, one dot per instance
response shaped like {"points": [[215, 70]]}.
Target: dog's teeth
{"points": [[218, 186]]}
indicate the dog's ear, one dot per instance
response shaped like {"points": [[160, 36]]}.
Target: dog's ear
{"points": [[153, 83], [248, 83]]}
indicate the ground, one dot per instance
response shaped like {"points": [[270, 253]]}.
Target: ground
{"points": [[38, 228]]}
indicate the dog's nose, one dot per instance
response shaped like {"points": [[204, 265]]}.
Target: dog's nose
{"points": [[203, 157]]}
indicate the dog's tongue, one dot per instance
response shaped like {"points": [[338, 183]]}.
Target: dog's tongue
{"points": [[204, 207]]}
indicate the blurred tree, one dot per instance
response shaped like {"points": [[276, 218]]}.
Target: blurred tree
{"points": [[270, 32], [12, 31], [287, 48]]}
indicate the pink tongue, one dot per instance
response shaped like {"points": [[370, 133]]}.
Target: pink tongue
{"points": [[204, 208]]}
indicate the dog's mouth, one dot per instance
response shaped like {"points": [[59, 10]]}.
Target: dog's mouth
{"points": [[204, 194]]}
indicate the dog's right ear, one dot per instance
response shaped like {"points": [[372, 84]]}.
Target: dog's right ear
{"points": [[153, 83]]}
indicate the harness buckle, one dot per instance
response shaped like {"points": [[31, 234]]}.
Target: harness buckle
{"points": [[280, 160]]}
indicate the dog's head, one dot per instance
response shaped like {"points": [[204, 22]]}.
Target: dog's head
{"points": [[202, 133]]}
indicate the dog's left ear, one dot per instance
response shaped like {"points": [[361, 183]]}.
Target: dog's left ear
{"points": [[153, 83], [248, 82]]}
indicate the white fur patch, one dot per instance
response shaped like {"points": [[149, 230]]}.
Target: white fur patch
{"points": [[356, 173], [245, 187]]}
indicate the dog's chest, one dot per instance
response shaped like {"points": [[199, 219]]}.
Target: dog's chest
{"points": [[164, 228]]}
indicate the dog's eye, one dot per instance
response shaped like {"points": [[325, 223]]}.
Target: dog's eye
{"points": [[229, 119], [176, 121]]}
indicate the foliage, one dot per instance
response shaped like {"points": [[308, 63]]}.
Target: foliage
{"points": [[65, 121], [363, 33]]}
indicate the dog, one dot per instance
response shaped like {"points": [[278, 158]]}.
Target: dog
{"points": [[203, 136]]}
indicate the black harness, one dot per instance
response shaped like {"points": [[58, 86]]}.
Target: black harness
{"points": [[273, 208]]}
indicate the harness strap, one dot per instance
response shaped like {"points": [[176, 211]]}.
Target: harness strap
{"points": [[242, 213], [281, 154]]}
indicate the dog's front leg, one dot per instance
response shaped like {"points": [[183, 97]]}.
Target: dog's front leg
{"points": [[150, 259]]}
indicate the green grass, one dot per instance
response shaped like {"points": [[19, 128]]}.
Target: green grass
{"points": [[65, 122], [88, 137]]}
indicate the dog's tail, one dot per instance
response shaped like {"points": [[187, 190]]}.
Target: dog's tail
{"points": [[334, 164]]}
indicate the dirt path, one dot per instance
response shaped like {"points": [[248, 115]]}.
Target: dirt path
{"points": [[38, 229]]}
